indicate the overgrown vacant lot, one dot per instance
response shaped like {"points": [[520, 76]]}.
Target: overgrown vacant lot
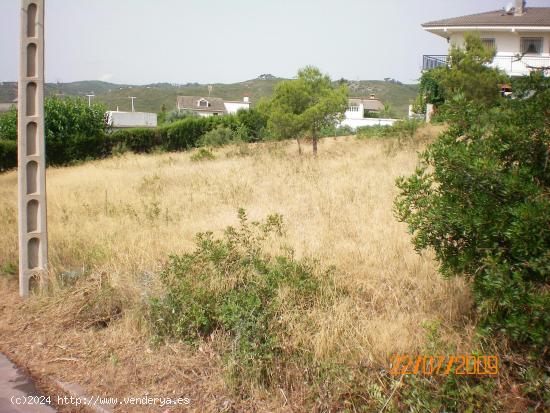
{"points": [[113, 224]]}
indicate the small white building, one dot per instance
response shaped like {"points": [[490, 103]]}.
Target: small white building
{"points": [[514, 32], [365, 112], [119, 120], [211, 106]]}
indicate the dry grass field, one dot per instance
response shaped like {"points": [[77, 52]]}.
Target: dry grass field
{"points": [[117, 220]]}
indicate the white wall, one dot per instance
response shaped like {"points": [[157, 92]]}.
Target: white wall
{"points": [[204, 114], [508, 45], [132, 119], [356, 114], [508, 42], [356, 123], [233, 107]]}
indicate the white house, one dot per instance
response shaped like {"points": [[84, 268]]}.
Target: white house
{"points": [[211, 106], [365, 112], [520, 35]]}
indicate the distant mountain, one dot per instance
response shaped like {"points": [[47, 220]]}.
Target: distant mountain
{"points": [[150, 98]]}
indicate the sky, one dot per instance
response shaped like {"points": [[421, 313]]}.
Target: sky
{"points": [[226, 41]]}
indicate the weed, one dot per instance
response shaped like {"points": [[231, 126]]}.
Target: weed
{"points": [[231, 285], [9, 268], [203, 155]]}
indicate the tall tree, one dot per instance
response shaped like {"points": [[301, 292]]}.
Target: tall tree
{"points": [[469, 73], [305, 105]]}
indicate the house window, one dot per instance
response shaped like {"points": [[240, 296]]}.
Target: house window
{"points": [[353, 108], [489, 43], [531, 45]]}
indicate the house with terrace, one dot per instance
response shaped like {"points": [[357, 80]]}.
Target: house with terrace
{"points": [[365, 112], [519, 34], [211, 106]]}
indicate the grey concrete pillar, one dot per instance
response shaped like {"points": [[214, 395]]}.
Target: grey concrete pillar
{"points": [[429, 112], [33, 240]]}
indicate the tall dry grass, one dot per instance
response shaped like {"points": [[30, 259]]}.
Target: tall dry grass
{"points": [[122, 217]]}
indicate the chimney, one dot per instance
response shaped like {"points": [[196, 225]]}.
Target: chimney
{"points": [[372, 96], [520, 8], [246, 99]]}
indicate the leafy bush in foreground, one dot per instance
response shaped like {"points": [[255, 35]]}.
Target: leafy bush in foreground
{"points": [[481, 199], [230, 285]]}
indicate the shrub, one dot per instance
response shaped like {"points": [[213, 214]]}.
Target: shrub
{"points": [[203, 155], [177, 115], [469, 74], [8, 154], [400, 129], [337, 131], [221, 135], [480, 198], [135, 139], [8, 125], [231, 286], [74, 130], [254, 121], [186, 133]]}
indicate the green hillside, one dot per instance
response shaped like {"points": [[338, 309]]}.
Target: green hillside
{"points": [[150, 98]]}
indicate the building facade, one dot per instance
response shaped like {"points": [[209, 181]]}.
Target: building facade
{"points": [[365, 112], [211, 106], [520, 35]]}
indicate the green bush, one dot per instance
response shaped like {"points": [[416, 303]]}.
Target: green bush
{"points": [[74, 130], [469, 73], [186, 133], [177, 115], [203, 154], [219, 136], [231, 286], [481, 199], [8, 125], [254, 121], [400, 129], [135, 139], [337, 131], [8, 154]]}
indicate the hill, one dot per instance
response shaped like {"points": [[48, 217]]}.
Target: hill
{"points": [[150, 98]]}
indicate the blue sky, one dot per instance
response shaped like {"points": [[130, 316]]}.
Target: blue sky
{"points": [[207, 41]]}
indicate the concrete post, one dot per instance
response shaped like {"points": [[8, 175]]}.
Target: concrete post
{"points": [[33, 240], [429, 112]]}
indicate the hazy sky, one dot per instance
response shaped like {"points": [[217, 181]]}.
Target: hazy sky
{"points": [[180, 41]]}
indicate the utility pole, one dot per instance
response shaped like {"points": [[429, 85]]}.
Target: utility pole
{"points": [[90, 99], [33, 236], [132, 97]]}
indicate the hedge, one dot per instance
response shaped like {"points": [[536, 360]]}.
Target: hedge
{"points": [[64, 148], [8, 154]]}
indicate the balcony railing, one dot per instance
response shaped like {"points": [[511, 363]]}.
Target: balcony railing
{"points": [[432, 61], [510, 64]]}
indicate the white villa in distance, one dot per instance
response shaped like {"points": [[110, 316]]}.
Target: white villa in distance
{"points": [[520, 35], [211, 106], [359, 113]]}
